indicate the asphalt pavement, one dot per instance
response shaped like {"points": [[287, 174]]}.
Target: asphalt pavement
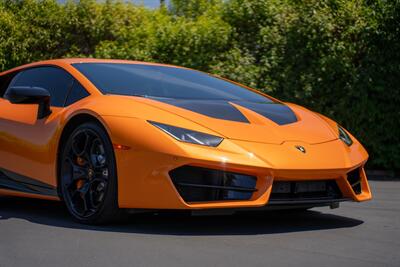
{"points": [[41, 233]]}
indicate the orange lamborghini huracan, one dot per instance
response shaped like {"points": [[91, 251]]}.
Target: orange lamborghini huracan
{"points": [[110, 135]]}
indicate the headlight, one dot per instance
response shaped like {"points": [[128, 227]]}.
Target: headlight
{"points": [[344, 136], [189, 136]]}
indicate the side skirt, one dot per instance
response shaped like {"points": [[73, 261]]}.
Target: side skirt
{"points": [[16, 182]]}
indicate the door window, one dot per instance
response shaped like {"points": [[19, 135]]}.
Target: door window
{"points": [[77, 93], [57, 81]]}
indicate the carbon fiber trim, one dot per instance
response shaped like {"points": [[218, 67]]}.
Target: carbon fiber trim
{"points": [[222, 109], [276, 112], [219, 109], [16, 182]]}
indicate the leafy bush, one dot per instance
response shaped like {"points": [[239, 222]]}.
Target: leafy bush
{"points": [[336, 57]]}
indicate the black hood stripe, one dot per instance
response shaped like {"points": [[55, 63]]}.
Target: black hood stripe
{"points": [[276, 112], [211, 108], [222, 109]]}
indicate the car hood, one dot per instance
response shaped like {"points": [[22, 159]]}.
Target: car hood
{"points": [[269, 122]]}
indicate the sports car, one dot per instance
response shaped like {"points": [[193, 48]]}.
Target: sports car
{"points": [[109, 136]]}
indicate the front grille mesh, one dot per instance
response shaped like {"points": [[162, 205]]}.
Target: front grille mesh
{"points": [[196, 184], [305, 190]]}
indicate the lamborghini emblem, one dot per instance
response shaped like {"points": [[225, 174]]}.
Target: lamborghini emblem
{"points": [[301, 149]]}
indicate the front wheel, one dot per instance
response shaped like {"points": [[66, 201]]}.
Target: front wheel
{"points": [[88, 177]]}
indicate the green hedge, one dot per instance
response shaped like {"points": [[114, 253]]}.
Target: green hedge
{"points": [[337, 57]]}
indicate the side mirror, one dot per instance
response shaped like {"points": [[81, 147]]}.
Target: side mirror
{"points": [[30, 95]]}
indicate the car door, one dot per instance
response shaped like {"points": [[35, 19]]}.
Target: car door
{"points": [[28, 144]]}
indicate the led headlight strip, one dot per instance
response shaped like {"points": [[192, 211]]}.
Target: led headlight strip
{"points": [[344, 136], [189, 136]]}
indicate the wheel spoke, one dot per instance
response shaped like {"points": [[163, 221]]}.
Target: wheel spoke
{"points": [[79, 143], [77, 172], [98, 191], [88, 150], [86, 198], [75, 194], [85, 205]]}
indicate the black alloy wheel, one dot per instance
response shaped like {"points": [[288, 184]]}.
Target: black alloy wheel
{"points": [[88, 175]]}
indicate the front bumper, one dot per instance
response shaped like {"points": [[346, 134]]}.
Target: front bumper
{"points": [[144, 180]]}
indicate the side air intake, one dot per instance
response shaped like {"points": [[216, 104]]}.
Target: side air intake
{"points": [[354, 180], [196, 184]]}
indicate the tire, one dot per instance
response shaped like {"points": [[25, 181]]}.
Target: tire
{"points": [[88, 177]]}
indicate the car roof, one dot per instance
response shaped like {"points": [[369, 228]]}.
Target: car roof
{"points": [[97, 60], [69, 61]]}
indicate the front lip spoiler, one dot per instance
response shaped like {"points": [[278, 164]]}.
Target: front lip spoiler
{"points": [[316, 201], [271, 205], [276, 205]]}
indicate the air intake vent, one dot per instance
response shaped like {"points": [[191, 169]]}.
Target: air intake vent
{"points": [[196, 184], [304, 190], [354, 180]]}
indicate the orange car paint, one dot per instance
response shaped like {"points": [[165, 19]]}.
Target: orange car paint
{"points": [[29, 146]]}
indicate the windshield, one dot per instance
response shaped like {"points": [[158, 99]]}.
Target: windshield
{"points": [[163, 82]]}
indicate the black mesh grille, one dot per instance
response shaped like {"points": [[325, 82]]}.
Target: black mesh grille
{"points": [[355, 181], [196, 184], [305, 190]]}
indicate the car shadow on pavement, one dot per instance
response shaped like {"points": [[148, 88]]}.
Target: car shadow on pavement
{"points": [[55, 214]]}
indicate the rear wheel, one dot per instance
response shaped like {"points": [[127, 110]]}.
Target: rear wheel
{"points": [[88, 177]]}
